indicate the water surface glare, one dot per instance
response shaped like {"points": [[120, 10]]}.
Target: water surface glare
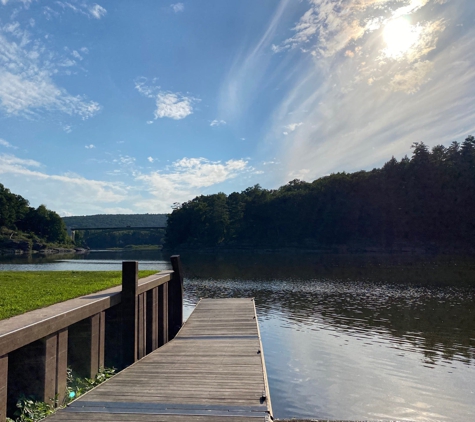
{"points": [[345, 337]]}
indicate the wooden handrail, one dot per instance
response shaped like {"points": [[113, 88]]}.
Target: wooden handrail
{"points": [[26, 328], [74, 333]]}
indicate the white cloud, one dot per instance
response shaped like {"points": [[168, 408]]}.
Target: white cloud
{"points": [[6, 144], [173, 105], [292, 126], [150, 159], [23, 177], [217, 123], [90, 146], [125, 160], [97, 11], [152, 192], [185, 179], [178, 7], [26, 78]]}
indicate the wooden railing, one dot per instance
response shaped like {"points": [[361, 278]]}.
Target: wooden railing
{"points": [[112, 328]]}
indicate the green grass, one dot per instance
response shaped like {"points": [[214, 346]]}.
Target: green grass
{"points": [[24, 291]]}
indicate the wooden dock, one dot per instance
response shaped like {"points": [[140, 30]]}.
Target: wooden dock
{"points": [[213, 370]]}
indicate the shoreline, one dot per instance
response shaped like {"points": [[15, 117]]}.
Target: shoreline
{"points": [[46, 251]]}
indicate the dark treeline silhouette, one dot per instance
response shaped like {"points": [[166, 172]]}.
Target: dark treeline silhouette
{"points": [[16, 214], [117, 220], [425, 200]]}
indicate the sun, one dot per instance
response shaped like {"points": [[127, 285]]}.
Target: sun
{"points": [[399, 36]]}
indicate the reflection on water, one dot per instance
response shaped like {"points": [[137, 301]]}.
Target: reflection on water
{"points": [[356, 337], [345, 337], [93, 261]]}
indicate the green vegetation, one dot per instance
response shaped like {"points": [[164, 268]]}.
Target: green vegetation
{"points": [[24, 291], [107, 239], [117, 220], [26, 225], [31, 410], [427, 200]]}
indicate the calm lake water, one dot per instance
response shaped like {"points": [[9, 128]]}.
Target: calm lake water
{"points": [[345, 337]]}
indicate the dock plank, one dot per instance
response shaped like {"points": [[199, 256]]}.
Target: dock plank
{"points": [[213, 370]]}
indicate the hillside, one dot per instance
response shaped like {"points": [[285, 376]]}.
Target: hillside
{"points": [[116, 220], [26, 229]]}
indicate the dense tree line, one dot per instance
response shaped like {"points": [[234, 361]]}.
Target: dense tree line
{"points": [[16, 214], [103, 239], [428, 199], [117, 220]]}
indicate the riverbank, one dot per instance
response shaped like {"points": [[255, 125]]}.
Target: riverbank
{"points": [[20, 243]]}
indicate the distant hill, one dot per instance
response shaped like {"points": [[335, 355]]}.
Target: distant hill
{"points": [[116, 220]]}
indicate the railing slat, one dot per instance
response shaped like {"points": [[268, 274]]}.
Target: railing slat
{"points": [[62, 364]]}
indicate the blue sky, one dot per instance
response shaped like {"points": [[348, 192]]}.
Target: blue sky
{"points": [[129, 106]]}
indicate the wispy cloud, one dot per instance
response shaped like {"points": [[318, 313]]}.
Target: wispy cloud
{"points": [[85, 8], [178, 7], [217, 123], [292, 126], [6, 144], [90, 146], [249, 72], [27, 69], [89, 196], [173, 105], [378, 83], [97, 11]]}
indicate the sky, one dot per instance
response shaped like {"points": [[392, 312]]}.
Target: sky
{"points": [[131, 106]]}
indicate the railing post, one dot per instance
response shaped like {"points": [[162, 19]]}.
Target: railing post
{"points": [[3, 387], [50, 366], [129, 311], [175, 298]]}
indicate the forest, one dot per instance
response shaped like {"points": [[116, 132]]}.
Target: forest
{"points": [[426, 200], [116, 220], [18, 218]]}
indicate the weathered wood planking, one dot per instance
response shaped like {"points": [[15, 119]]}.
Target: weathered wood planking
{"points": [[213, 370]]}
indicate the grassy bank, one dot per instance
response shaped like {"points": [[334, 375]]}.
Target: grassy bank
{"points": [[24, 291]]}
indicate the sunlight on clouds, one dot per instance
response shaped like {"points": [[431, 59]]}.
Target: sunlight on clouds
{"points": [[399, 36], [370, 56]]}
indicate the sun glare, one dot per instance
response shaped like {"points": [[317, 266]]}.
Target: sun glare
{"points": [[399, 36]]}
